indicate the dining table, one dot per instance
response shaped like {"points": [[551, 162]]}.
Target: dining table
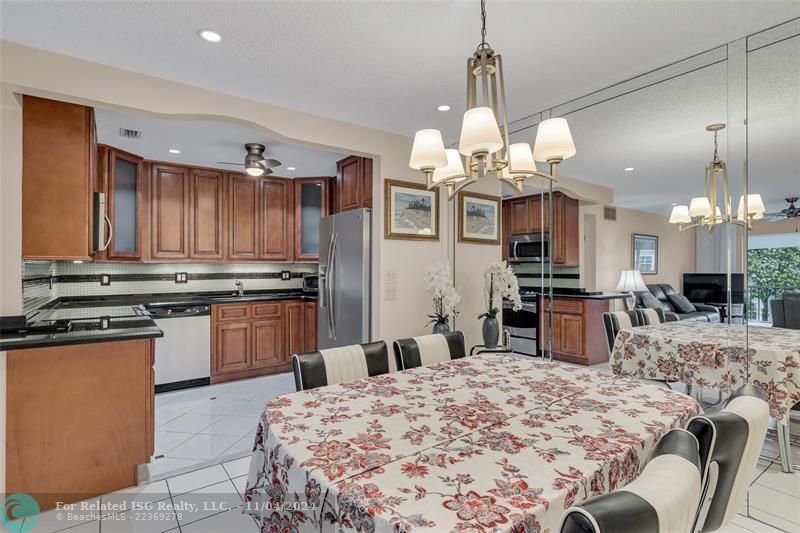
{"points": [[491, 442], [718, 356]]}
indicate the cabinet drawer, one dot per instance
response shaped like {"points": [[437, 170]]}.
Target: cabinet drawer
{"points": [[264, 310], [574, 307], [233, 312]]}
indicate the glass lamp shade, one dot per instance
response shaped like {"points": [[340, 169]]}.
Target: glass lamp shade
{"points": [[755, 207], [480, 132], [454, 167], [700, 207], [680, 215], [521, 159], [428, 151], [553, 140], [254, 169], [631, 281]]}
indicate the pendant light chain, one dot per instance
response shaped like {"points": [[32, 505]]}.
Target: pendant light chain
{"points": [[483, 44]]}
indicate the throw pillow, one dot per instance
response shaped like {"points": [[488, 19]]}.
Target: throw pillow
{"points": [[650, 301], [681, 303]]}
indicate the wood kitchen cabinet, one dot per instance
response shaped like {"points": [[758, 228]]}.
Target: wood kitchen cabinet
{"points": [[243, 220], [578, 335], [169, 211], [277, 219], [353, 183], [206, 220], [122, 179], [58, 174], [529, 215], [311, 326]]}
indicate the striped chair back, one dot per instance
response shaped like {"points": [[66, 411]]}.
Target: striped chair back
{"points": [[663, 499], [650, 317], [617, 320], [429, 349], [337, 365], [732, 440]]}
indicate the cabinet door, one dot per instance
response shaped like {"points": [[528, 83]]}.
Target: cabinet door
{"points": [[310, 327], [519, 216], [269, 345], [205, 215], [242, 217], [169, 212], [295, 327], [125, 201], [565, 239], [366, 182], [538, 214], [570, 334], [349, 181], [311, 204], [231, 347], [277, 220]]}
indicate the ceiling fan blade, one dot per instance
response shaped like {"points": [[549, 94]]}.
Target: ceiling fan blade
{"points": [[227, 163], [271, 163]]}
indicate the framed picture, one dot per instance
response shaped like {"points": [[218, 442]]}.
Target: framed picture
{"points": [[411, 211], [645, 253], [478, 218]]}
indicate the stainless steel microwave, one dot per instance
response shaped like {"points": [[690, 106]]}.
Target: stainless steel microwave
{"points": [[530, 248]]}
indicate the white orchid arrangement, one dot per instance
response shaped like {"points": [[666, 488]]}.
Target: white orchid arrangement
{"points": [[500, 282], [439, 282]]}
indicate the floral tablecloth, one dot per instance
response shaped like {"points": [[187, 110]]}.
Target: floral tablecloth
{"points": [[716, 356], [486, 443]]}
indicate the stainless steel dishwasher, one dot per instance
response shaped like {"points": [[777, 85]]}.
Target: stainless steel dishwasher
{"points": [[183, 354]]}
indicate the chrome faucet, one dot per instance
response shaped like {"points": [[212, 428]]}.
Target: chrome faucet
{"points": [[240, 287]]}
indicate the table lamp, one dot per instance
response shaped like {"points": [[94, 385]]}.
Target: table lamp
{"points": [[631, 281]]}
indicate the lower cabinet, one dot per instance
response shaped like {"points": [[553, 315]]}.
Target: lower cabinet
{"points": [[578, 335], [257, 339]]}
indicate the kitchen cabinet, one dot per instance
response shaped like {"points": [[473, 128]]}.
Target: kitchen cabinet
{"points": [[578, 335], [529, 214], [243, 232], [310, 326], [169, 211], [520, 216], [257, 339], [206, 220], [312, 202], [122, 180], [277, 219], [58, 174], [353, 183]]}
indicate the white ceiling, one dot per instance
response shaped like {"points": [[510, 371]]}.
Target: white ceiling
{"points": [[206, 142]]}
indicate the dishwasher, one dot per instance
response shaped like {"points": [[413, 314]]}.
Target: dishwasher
{"points": [[183, 354]]}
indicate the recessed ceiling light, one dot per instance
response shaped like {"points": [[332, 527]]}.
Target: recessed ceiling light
{"points": [[174, 151], [209, 35], [290, 168], [628, 169], [443, 108]]}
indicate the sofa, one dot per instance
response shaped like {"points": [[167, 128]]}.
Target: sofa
{"points": [[786, 311], [702, 313]]}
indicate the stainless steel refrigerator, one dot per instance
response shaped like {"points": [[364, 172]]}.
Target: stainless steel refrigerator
{"points": [[345, 259]]}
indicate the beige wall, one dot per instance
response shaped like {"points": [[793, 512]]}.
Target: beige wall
{"points": [[762, 227], [676, 250]]}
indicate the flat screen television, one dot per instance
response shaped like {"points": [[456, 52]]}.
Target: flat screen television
{"points": [[712, 288]]}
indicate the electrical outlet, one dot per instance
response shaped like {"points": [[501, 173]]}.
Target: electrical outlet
{"points": [[105, 280], [286, 275], [181, 277]]}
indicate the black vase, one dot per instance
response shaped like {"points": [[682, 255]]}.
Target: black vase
{"points": [[491, 332]]}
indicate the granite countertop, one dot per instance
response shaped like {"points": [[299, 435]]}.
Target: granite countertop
{"points": [[604, 296]]}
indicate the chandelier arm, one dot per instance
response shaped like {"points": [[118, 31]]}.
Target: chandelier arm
{"points": [[518, 184], [503, 106], [724, 169], [453, 189], [484, 79]]}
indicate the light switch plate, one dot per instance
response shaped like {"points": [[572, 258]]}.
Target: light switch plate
{"points": [[105, 280], [389, 285], [286, 275]]}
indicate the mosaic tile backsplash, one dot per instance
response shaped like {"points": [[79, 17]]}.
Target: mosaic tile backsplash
{"points": [[43, 281], [529, 276]]}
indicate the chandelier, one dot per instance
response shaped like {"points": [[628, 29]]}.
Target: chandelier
{"points": [[484, 140], [704, 212]]}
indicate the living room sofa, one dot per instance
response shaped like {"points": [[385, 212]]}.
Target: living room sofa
{"points": [[662, 291]]}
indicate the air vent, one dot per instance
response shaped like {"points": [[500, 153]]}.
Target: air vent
{"points": [[130, 134], [609, 213]]}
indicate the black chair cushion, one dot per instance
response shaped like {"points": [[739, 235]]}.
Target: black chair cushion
{"points": [[310, 368], [682, 303], [419, 351]]}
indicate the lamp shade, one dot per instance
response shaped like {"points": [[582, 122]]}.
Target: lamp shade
{"points": [[700, 207], [755, 206], [631, 281], [521, 159], [454, 167], [428, 151], [680, 215], [553, 140], [480, 132]]}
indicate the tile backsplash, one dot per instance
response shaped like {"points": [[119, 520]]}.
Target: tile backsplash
{"points": [[529, 276], [43, 281]]}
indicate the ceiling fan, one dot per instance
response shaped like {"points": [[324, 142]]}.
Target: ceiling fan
{"points": [[255, 163], [790, 212]]}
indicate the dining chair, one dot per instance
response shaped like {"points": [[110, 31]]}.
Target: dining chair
{"points": [[429, 349], [650, 317], [337, 365], [733, 438], [663, 499], [614, 321]]}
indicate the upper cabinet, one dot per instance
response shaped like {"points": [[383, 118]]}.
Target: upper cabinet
{"points": [[277, 219], [58, 170], [169, 211], [529, 214], [243, 220], [312, 200], [353, 183], [123, 182], [206, 220]]}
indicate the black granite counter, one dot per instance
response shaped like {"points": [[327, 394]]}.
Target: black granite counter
{"points": [[604, 296], [115, 330]]}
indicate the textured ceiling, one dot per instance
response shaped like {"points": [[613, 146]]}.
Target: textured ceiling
{"points": [[205, 142]]}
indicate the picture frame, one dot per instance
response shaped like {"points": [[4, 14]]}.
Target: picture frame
{"points": [[479, 218], [644, 253], [411, 211]]}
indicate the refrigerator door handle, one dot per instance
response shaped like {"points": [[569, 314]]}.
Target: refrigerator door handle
{"points": [[331, 287]]}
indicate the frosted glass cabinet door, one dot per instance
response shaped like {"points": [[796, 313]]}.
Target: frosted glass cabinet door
{"points": [[311, 197], [124, 204]]}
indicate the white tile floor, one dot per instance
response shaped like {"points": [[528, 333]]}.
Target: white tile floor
{"points": [[213, 428]]}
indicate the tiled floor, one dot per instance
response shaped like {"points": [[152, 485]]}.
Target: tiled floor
{"points": [[213, 423]]}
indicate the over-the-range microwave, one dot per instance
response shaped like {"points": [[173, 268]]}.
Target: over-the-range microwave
{"points": [[529, 248]]}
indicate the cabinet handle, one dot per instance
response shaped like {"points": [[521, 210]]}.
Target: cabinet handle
{"points": [[110, 233]]}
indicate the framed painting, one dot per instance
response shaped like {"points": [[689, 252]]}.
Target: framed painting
{"points": [[410, 211], [478, 218], [645, 253]]}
